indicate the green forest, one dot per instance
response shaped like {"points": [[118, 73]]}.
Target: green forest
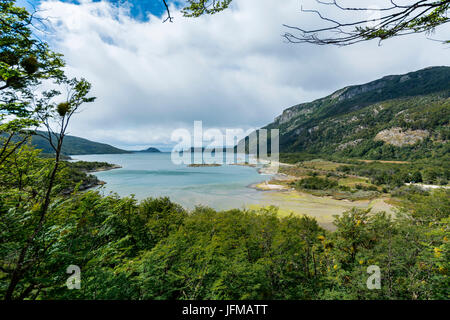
{"points": [[156, 249], [345, 123]]}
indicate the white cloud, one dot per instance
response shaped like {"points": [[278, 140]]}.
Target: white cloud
{"points": [[231, 70]]}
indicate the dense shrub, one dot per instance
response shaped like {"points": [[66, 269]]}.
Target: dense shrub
{"points": [[316, 183]]}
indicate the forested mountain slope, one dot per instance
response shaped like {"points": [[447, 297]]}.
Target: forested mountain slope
{"points": [[76, 145], [396, 117]]}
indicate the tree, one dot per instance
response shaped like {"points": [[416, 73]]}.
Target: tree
{"points": [[197, 8], [56, 117], [25, 61], [392, 20], [61, 113], [382, 23]]}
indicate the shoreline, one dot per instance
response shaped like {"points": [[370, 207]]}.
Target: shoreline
{"points": [[98, 182], [101, 169], [288, 200], [272, 170]]}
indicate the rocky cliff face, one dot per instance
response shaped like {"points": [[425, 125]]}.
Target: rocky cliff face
{"points": [[399, 137], [392, 86], [351, 92], [289, 114]]}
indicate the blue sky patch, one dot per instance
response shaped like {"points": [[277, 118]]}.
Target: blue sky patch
{"points": [[139, 9]]}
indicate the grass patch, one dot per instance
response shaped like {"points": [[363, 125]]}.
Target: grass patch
{"points": [[320, 164], [353, 181]]}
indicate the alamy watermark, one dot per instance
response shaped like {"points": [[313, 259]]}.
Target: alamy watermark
{"points": [[374, 281], [74, 281], [229, 146]]}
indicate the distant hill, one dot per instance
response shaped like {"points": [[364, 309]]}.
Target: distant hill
{"points": [[396, 117], [150, 150], [76, 146]]}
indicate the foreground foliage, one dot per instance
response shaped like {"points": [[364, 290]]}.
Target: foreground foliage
{"points": [[155, 249]]}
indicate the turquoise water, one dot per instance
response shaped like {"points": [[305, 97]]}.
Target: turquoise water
{"points": [[154, 174]]}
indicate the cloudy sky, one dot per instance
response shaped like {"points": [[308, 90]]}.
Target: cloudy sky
{"points": [[230, 70]]}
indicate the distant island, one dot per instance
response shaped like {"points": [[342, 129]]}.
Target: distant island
{"points": [[209, 149], [151, 150], [199, 165]]}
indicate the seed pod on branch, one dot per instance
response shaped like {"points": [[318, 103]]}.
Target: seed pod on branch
{"points": [[30, 64], [63, 108]]}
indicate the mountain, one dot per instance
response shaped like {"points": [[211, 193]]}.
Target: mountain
{"points": [[396, 117], [150, 150], [76, 146]]}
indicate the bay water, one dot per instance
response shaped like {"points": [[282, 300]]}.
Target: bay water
{"points": [[155, 175]]}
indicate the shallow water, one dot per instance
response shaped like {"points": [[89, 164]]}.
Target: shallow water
{"points": [[154, 174]]}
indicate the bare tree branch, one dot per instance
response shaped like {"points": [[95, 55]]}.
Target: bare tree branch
{"points": [[393, 20], [169, 17]]}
